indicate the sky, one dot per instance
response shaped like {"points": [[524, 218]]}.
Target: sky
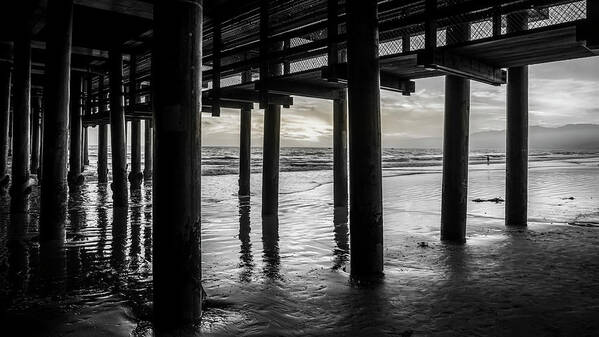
{"points": [[560, 93]]}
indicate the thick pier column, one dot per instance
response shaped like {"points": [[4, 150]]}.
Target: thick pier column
{"points": [[75, 178], [56, 109], [148, 144], [102, 136], [455, 159], [340, 149], [36, 114], [22, 113], [516, 186], [135, 176], [271, 150], [245, 144], [5, 79], [118, 138], [454, 199], [177, 94], [366, 199]]}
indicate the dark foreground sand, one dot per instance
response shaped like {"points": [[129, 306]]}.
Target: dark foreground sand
{"points": [[538, 281]]}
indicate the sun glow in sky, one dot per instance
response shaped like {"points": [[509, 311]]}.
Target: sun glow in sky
{"points": [[560, 93]]}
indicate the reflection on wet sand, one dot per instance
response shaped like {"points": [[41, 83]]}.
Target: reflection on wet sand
{"points": [[77, 222], [147, 209], [290, 279], [245, 253], [136, 228], [53, 271], [270, 244], [18, 254], [341, 233], [118, 260]]}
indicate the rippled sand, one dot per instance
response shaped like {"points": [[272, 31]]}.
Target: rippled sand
{"points": [[504, 282]]}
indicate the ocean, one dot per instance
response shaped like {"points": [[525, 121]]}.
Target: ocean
{"points": [[537, 281]]}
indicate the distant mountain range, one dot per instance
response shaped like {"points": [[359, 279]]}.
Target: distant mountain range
{"points": [[568, 137]]}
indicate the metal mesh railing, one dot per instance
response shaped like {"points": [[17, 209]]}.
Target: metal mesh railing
{"points": [[308, 63], [230, 81], [481, 23]]}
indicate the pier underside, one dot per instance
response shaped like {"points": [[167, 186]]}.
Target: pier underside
{"points": [[103, 63]]}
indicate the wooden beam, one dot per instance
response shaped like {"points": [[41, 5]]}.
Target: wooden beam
{"points": [[207, 104], [95, 53], [292, 87], [248, 96], [463, 66], [389, 81], [138, 8], [207, 108]]}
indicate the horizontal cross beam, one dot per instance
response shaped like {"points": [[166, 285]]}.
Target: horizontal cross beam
{"points": [[292, 87], [248, 96], [462, 66], [389, 81]]}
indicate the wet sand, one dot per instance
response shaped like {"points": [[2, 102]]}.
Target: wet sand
{"points": [[542, 280]]}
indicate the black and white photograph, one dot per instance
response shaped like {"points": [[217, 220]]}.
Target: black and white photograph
{"points": [[409, 168]]}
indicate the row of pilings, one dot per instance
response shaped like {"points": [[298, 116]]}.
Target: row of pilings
{"points": [[176, 96]]}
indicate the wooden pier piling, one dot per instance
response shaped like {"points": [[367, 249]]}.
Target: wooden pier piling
{"points": [[135, 176], [176, 84], [366, 200], [148, 144], [102, 135], [5, 84], [20, 180], [87, 111], [56, 117], [75, 178], [245, 144], [456, 130], [516, 186], [118, 138], [272, 147], [36, 115], [340, 149]]}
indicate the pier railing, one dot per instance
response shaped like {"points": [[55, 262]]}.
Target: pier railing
{"points": [[405, 27]]}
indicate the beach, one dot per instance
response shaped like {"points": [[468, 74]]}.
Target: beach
{"points": [[540, 280]]}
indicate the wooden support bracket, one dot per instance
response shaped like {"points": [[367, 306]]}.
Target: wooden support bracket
{"points": [[206, 108], [389, 81], [291, 87], [247, 96], [463, 66]]}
